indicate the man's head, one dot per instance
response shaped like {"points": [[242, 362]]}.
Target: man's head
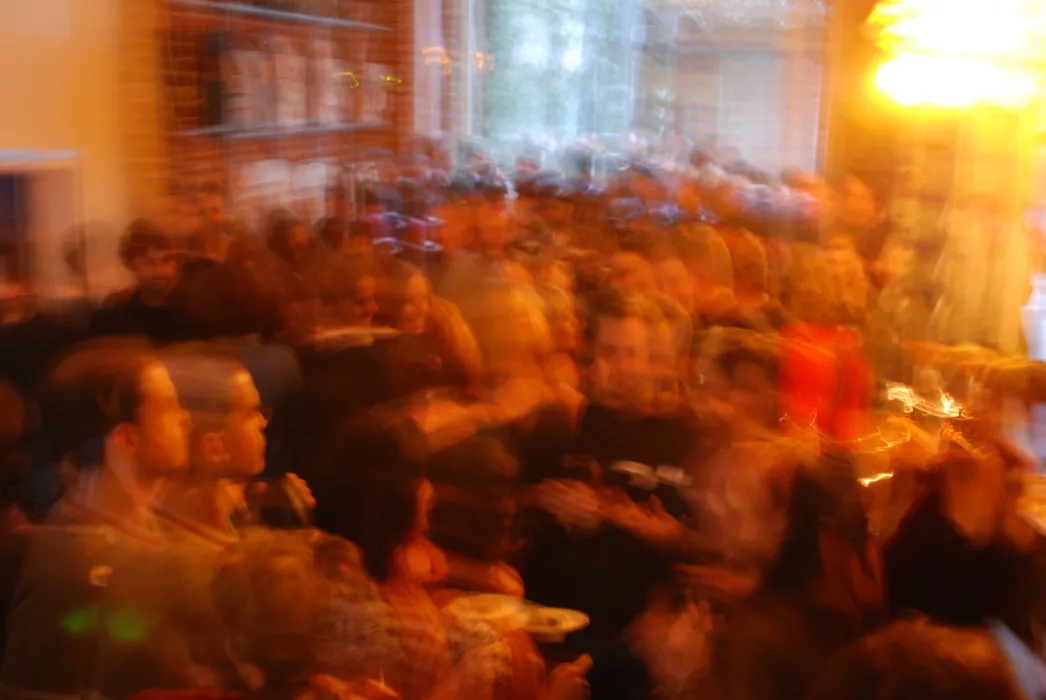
{"points": [[228, 438], [494, 230], [148, 254], [212, 205], [631, 273], [856, 206], [673, 278], [620, 331], [751, 376], [115, 402]]}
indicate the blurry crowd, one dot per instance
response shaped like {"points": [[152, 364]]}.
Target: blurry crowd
{"points": [[284, 462]]}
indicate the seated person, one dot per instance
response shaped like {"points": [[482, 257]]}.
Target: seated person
{"points": [[86, 614], [376, 495], [227, 447]]}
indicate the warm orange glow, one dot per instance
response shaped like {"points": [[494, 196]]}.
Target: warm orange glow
{"points": [[955, 53], [954, 82]]}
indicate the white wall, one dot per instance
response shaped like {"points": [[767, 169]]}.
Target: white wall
{"points": [[60, 90]]}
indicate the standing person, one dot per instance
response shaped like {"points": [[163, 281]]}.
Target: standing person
{"points": [[614, 570], [825, 378], [859, 216], [380, 499], [823, 591], [86, 613], [147, 308], [964, 555]]}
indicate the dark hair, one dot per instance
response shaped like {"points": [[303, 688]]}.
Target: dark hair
{"points": [[94, 389], [270, 597], [13, 456], [742, 354], [918, 661], [332, 232], [278, 237], [617, 305], [825, 491], [369, 476], [140, 237], [477, 480]]}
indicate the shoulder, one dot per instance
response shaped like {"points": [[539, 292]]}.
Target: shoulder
{"points": [[118, 299]]}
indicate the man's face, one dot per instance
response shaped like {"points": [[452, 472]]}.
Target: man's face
{"points": [[156, 271], [494, 229], [162, 428], [664, 363], [414, 317], [857, 205], [212, 208], [631, 272], [364, 304], [620, 372], [673, 280], [244, 433]]}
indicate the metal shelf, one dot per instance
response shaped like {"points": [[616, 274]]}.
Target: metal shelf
{"points": [[263, 13], [275, 131]]}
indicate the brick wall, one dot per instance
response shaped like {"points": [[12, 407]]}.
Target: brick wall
{"points": [[179, 68], [145, 146]]}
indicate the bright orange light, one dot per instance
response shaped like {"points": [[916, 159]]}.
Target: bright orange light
{"points": [[955, 53]]}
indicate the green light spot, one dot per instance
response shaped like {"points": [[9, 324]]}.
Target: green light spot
{"points": [[81, 621], [129, 626]]}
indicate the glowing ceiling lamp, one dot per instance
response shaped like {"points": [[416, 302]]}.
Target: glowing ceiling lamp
{"points": [[956, 53]]}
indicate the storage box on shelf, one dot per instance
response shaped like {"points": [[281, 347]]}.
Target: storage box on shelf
{"points": [[307, 83]]}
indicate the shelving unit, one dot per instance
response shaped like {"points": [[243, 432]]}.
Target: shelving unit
{"points": [[201, 151], [235, 8], [276, 131]]}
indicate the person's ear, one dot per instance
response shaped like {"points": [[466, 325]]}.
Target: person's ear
{"points": [[124, 438], [213, 449]]}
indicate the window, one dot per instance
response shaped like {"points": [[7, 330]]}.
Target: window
{"points": [[743, 75]]}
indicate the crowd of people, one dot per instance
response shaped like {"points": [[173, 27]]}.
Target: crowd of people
{"points": [[283, 461]]}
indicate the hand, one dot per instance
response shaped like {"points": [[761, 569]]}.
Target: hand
{"points": [[518, 398], [302, 489], [503, 579], [567, 681], [324, 687], [373, 690], [721, 582], [573, 503], [651, 522]]}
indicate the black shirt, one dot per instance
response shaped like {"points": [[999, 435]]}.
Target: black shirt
{"points": [[131, 316], [610, 574], [934, 570]]}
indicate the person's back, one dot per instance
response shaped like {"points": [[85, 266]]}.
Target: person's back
{"points": [[84, 616], [86, 612], [918, 661]]}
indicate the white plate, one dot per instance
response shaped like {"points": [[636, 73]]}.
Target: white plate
{"points": [[554, 624], [502, 611]]}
